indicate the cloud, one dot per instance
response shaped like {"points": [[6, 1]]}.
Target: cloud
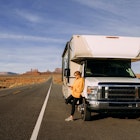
{"points": [[28, 16], [29, 38], [22, 59], [118, 7], [111, 17], [34, 33]]}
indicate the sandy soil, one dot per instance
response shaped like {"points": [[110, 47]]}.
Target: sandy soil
{"points": [[21, 80]]}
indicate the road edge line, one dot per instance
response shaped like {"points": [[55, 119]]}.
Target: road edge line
{"points": [[39, 120]]}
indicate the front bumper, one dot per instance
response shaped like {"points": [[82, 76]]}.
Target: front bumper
{"points": [[113, 106]]}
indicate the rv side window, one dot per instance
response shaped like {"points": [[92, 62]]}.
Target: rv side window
{"points": [[67, 72]]}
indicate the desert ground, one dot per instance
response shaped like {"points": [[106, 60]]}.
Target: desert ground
{"points": [[10, 81]]}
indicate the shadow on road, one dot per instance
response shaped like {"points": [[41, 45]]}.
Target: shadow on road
{"points": [[99, 116]]}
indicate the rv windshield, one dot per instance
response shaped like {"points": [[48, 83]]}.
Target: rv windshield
{"points": [[108, 68]]}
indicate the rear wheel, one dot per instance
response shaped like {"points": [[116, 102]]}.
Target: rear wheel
{"points": [[85, 112]]}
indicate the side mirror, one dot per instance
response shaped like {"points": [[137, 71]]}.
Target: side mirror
{"points": [[67, 72]]}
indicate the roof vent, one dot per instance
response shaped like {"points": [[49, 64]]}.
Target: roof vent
{"points": [[113, 37]]}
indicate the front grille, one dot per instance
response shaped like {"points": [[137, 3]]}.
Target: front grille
{"points": [[120, 92]]}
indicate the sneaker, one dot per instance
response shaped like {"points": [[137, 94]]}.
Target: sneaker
{"points": [[69, 119]]}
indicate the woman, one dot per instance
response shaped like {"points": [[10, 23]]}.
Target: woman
{"points": [[77, 89]]}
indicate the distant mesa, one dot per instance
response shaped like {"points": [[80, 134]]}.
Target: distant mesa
{"points": [[36, 72], [33, 72], [8, 73]]}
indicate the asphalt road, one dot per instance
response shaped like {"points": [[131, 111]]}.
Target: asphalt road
{"points": [[20, 109]]}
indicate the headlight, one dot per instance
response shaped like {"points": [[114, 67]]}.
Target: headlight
{"points": [[92, 92]]}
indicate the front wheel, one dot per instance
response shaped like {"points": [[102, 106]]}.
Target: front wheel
{"points": [[86, 113]]}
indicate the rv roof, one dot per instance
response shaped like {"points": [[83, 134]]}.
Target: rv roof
{"points": [[105, 46]]}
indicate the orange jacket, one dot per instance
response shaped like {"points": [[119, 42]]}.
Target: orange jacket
{"points": [[77, 87]]}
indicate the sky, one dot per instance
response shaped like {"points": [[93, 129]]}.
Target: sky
{"points": [[33, 33]]}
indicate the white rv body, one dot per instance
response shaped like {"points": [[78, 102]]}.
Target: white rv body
{"points": [[105, 47], [111, 57]]}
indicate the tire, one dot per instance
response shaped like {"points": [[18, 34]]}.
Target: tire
{"points": [[86, 113]]}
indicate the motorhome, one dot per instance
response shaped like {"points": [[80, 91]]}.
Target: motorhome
{"points": [[105, 64]]}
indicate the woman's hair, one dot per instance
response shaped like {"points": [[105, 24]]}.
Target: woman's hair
{"points": [[77, 72]]}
